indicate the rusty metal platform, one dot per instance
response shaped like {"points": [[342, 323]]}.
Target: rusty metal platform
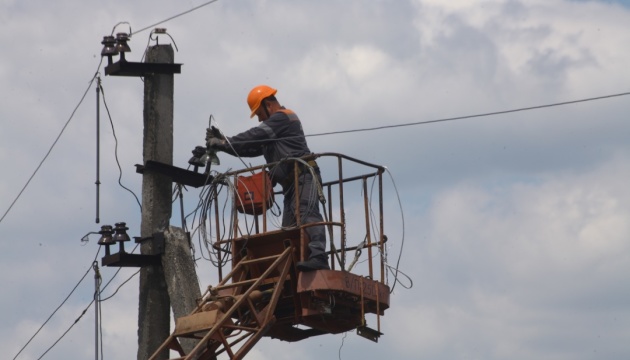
{"points": [[264, 294]]}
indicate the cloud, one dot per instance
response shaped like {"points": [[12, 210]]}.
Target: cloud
{"points": [[520, 263], [515, 224]]}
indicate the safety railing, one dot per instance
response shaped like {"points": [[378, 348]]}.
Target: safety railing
{"points": [[350, 198]]}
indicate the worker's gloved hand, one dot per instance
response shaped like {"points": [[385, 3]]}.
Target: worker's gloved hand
{"points": [[213, 132], [215, 143], [209, 134]]}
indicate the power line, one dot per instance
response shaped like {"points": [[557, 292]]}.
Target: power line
{"points": [[119, 286], [325, 133], [68, 330], [473, 116], [444, 119], [58, 307], [40, 165], [175, 16], [83, 97], [310, 135], [54, 142], [99, 300]]}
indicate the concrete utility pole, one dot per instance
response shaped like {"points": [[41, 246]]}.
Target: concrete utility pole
{"points": [[154, 303], [174, 280]]}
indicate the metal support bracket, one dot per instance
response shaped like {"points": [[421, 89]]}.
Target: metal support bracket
{"points": [[368, 333], [123, 259], [129, 68], [178, 175]]}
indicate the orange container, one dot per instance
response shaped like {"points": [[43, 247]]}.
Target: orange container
{"points": [[252, 192]]}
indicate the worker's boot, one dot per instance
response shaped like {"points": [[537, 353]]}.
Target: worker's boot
{"points": [[314, 263]]}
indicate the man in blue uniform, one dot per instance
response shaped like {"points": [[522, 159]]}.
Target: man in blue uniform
{"points": [[279, 135]]}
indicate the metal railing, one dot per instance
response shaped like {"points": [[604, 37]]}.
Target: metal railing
{"points": [[349, 195]]}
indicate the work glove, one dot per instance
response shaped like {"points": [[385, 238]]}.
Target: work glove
{"points": [[215, 143], [213, 132]]}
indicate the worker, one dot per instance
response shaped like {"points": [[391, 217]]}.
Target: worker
{"points": [[278, 136]]}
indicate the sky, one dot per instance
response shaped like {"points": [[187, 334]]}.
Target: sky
{"points": [[516, 226]]}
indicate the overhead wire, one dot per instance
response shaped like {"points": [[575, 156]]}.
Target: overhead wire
{"points": [[97, 297], [94, 77], [68, 330], [463, 117], [117, 271], [58, 307], [175, 16], [66, 299], [310, 135], [119, 286], [472, 116], [394, 269], [85, 94]]}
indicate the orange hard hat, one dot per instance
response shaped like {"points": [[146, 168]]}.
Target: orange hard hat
{"points": [[257, 95]]}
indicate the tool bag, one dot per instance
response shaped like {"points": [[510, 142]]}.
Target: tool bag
{"points": [[252, 192]]}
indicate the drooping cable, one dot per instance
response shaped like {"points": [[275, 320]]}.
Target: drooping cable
{"points": [[201, 216], [397, 280], [116, 150], [363, 244], [402, 242], [342, 342], [204, 228]]}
